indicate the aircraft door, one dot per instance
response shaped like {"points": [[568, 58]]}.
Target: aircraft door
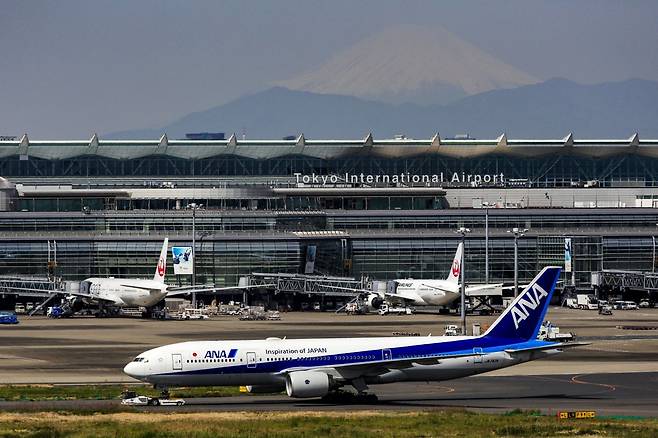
{"points": [[177, 362], [251, 359], [386, 354], [477, 351]]}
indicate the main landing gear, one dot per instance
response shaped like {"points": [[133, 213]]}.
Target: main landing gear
{"points": [[361, 396]]}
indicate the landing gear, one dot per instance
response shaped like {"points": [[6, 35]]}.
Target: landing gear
{"points": [[347, 397]]}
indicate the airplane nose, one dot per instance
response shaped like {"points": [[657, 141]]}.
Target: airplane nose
{"points": [[132, 369]]}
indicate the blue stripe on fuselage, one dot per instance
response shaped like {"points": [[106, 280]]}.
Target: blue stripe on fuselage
{"points": [[464, 346]]}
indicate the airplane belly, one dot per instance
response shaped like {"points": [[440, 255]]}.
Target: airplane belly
{"points": [[216, 379]]}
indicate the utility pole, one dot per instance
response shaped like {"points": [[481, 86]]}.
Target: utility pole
{"points": [[463, 231], [517, 233]]}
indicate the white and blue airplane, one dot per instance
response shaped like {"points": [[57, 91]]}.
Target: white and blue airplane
{"points": [[316, 367]]}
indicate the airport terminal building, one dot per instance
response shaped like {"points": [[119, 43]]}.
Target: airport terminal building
{"points": [[378, 208]]}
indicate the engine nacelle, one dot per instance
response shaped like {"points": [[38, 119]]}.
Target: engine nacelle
{"points": [[264, 389], [306, 384], [375, 301]]}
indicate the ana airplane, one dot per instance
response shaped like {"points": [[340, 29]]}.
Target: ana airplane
{"points": [[316, 367]]}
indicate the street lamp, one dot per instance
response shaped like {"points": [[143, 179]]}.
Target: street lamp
{"points": [[463, 231], [517, 233], [486, 205], [194, 207]]}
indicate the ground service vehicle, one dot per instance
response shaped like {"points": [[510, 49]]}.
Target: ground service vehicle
{"points": [[142, 400]]}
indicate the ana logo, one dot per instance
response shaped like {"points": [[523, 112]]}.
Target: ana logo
{"points": [[161, 267], [221, 354], [529, 301], [455, 268]]}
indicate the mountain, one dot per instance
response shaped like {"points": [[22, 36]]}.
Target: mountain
{"points": [[409, 63], [546, 110]]}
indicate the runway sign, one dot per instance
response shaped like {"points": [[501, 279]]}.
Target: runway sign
{"points": [[579, 415]]}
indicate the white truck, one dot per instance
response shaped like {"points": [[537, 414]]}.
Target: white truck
{"points": [[386, 309], [549, 332], [142, 400], [583, 301]]}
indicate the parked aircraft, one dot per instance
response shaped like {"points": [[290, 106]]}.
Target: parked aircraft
{"points": [[426, 292], [316, 367]]}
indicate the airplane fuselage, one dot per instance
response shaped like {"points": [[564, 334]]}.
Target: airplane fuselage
{"points": [[267, 362], [126, 292]]}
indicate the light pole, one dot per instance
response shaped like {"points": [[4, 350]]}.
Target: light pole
{"points": [[194, 206], [463, 231], [517, 233], [486, 242]]}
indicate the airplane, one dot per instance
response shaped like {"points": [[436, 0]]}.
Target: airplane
{"points": [[127, 292], [139, 292], [426, 292], [309, 368]]}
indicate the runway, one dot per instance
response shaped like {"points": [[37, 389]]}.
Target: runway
{"points": [[620, 394]]}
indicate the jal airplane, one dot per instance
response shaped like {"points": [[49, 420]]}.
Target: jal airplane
{"points": [[128, 292], [308, 368], [428, 292]]}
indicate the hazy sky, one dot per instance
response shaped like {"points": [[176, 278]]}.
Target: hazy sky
{"points": [[71, 68]]}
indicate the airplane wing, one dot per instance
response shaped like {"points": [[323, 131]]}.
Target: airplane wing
{"points": [[149, 289], [481, 287], [402, 297], [352, 371], [172, 292], [554, 346]]}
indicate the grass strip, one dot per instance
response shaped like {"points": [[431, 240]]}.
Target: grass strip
{"points": [[101, 392], [452, 423]]}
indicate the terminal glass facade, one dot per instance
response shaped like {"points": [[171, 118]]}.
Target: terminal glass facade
{"points": [[557, 170]]}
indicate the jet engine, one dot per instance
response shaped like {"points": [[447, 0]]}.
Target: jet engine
{"points": [[264, 389], [306, 384], [374, 301]]}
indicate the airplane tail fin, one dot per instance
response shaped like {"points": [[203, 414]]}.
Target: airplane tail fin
{"points": [[523, 318], [456, 268], [161, 269]]}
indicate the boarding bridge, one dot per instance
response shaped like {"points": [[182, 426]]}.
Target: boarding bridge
{"points": [[641, 281], [306, 284], [38, 287], [31, 286]]}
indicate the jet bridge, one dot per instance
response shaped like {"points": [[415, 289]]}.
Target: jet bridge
{"points": [[306, 284], [635, 280]]}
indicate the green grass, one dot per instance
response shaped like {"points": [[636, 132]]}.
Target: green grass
{"points": [[451, 423], [101, 392]]}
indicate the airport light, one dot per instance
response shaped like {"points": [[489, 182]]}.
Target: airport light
{"points": [[463, 231], [194, 207], [486, 205], [517, 232]]}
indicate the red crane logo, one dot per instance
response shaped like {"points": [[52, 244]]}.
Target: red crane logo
{"points": [[455, 268]]}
